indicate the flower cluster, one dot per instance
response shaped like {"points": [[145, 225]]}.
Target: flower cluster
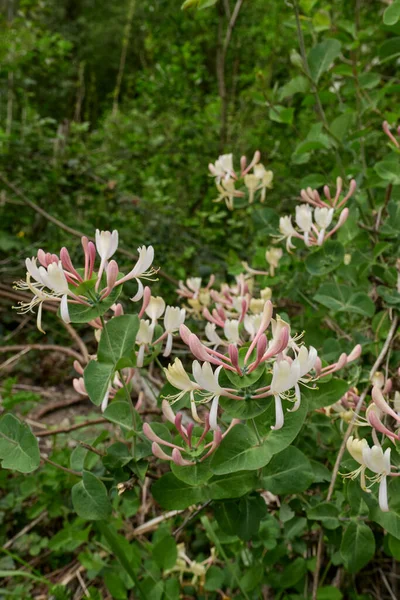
{"points": [[315, 217], [253, 180], [374, 458], [286, 363], [195, 443], [57, 280]]}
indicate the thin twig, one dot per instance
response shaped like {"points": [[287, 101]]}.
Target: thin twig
{"points": [[342, 449], [41, 347], [53, 464], [190, 517], [25, 530], [70, 230], [72, 428]]}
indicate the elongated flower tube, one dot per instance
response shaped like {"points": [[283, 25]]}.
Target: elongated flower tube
{"points": [[106, 244], [174, 317], [284, 377], [378, 462], [380, 401]]}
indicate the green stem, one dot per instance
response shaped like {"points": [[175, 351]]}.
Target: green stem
{"points": [[112, 540], [211, 534], [129, 399]]}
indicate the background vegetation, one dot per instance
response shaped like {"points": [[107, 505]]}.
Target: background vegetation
{"points": [[109, 115]]}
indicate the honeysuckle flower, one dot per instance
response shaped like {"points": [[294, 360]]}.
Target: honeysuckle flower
{"points": [[306, 359], [323, 217], [256, 305], [208, 381], [106, 244], [174, 317], [142, 269], [380, 401], [285, 376], [212, 335], [378, 462], [231, 331], [252, 323], [288, 231], [266, 178], [273, 256], [228, 192], [374, 459], [251, 182], [155, 308], [179, 379], [304, 221], [143, 338], [223, 167]]}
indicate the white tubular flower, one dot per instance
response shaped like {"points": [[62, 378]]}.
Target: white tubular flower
{"points": [[106, 243], [251, 182], [54, 278], [33, 270], [174, 317], [223, 167], [231, 331], [212, 335], [180, 380], [208, 381], [304, 220], [155, 308], [355, 448], [64, 312], [266, 179], [288, 231], [266, 294], [143, 338], [277, 325], [284, 377], [378, 462], [206, 378], [228, 192], [252, 323], [306, 359], [141, 269], [273, 256], [323, 217], [194, 284], [257, 305]]}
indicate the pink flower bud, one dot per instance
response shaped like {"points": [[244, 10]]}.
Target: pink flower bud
{"points": [[185, 333], [78, 367], [159, 452], [145, 301], [355, 353], [179, 460]]}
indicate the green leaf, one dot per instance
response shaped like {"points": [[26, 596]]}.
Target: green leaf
{"points": [[326, 394], [297, 85], [357, 547], [326, 513], [392, 14], [90, 499], [289, 472], [79, 313], [173, 494], [97, 377], [389, 49], [241, 517], [339, 298], [325, 259], [19, 449], [193, 475], [341, 125], [389, 169], [118, 339], [329, 592], [119, 412], [165, 553], [232, 485], [281, 114], [214, 579], [322, 56], [240, 449]]}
